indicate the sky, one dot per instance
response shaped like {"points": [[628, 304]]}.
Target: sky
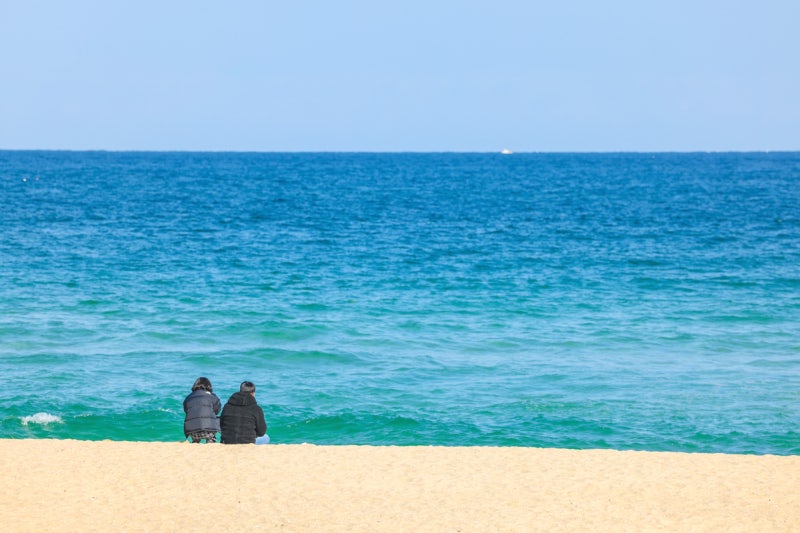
{"points": [[523, 75]]}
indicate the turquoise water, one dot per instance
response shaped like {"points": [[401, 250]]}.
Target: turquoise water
{"points": [[627, 301]]}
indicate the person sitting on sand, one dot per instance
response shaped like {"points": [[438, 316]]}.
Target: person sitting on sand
{"points": [[201, 408], [242, 419]]}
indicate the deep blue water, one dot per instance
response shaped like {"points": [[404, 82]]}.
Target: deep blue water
{"points": [[627, 301]]}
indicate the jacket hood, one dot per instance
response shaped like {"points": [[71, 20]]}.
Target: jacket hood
{"points": [[242, 398]]}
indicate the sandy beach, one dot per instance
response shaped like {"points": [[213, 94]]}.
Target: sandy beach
{"points": [[68, 485]]}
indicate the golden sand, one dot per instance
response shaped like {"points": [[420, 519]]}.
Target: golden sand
{"points": [[67, 485]]}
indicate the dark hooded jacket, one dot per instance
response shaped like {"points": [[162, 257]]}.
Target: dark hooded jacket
{"points": [[242, 420], [201, 408]]}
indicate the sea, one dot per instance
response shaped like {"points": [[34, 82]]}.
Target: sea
{"points": [[629, 301]]}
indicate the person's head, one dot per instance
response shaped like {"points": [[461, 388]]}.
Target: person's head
{"points": [[248, 386], [202, 383]]}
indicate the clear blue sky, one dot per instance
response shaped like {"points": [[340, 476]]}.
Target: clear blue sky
{"points": [[400, 76]]}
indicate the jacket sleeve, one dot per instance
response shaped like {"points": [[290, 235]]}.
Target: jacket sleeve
{"points": [[217, 405], [261, 423]]}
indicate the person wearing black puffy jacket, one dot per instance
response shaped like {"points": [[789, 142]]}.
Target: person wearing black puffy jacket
{"points": [[242, 419], [201, 408]]}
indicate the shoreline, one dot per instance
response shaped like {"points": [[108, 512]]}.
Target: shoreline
{"points": [[52, 484]]}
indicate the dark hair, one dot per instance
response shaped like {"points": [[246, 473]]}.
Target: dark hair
{"points": [[202, 383], [247, 386]]}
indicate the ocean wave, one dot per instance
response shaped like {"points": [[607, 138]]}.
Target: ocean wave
{"points": [[41, 418]]}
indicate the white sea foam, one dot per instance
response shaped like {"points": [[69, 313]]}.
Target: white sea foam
{"points": [[41, 418]]}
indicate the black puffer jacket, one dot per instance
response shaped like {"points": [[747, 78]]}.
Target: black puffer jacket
{"points": [[242, 420], [201, 408]]}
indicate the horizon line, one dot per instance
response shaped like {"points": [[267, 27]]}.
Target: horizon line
{"points": [[504, 151]]}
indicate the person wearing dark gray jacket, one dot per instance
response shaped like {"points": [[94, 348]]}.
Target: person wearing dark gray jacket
{"points": [[201, 408], [242, 419]]}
